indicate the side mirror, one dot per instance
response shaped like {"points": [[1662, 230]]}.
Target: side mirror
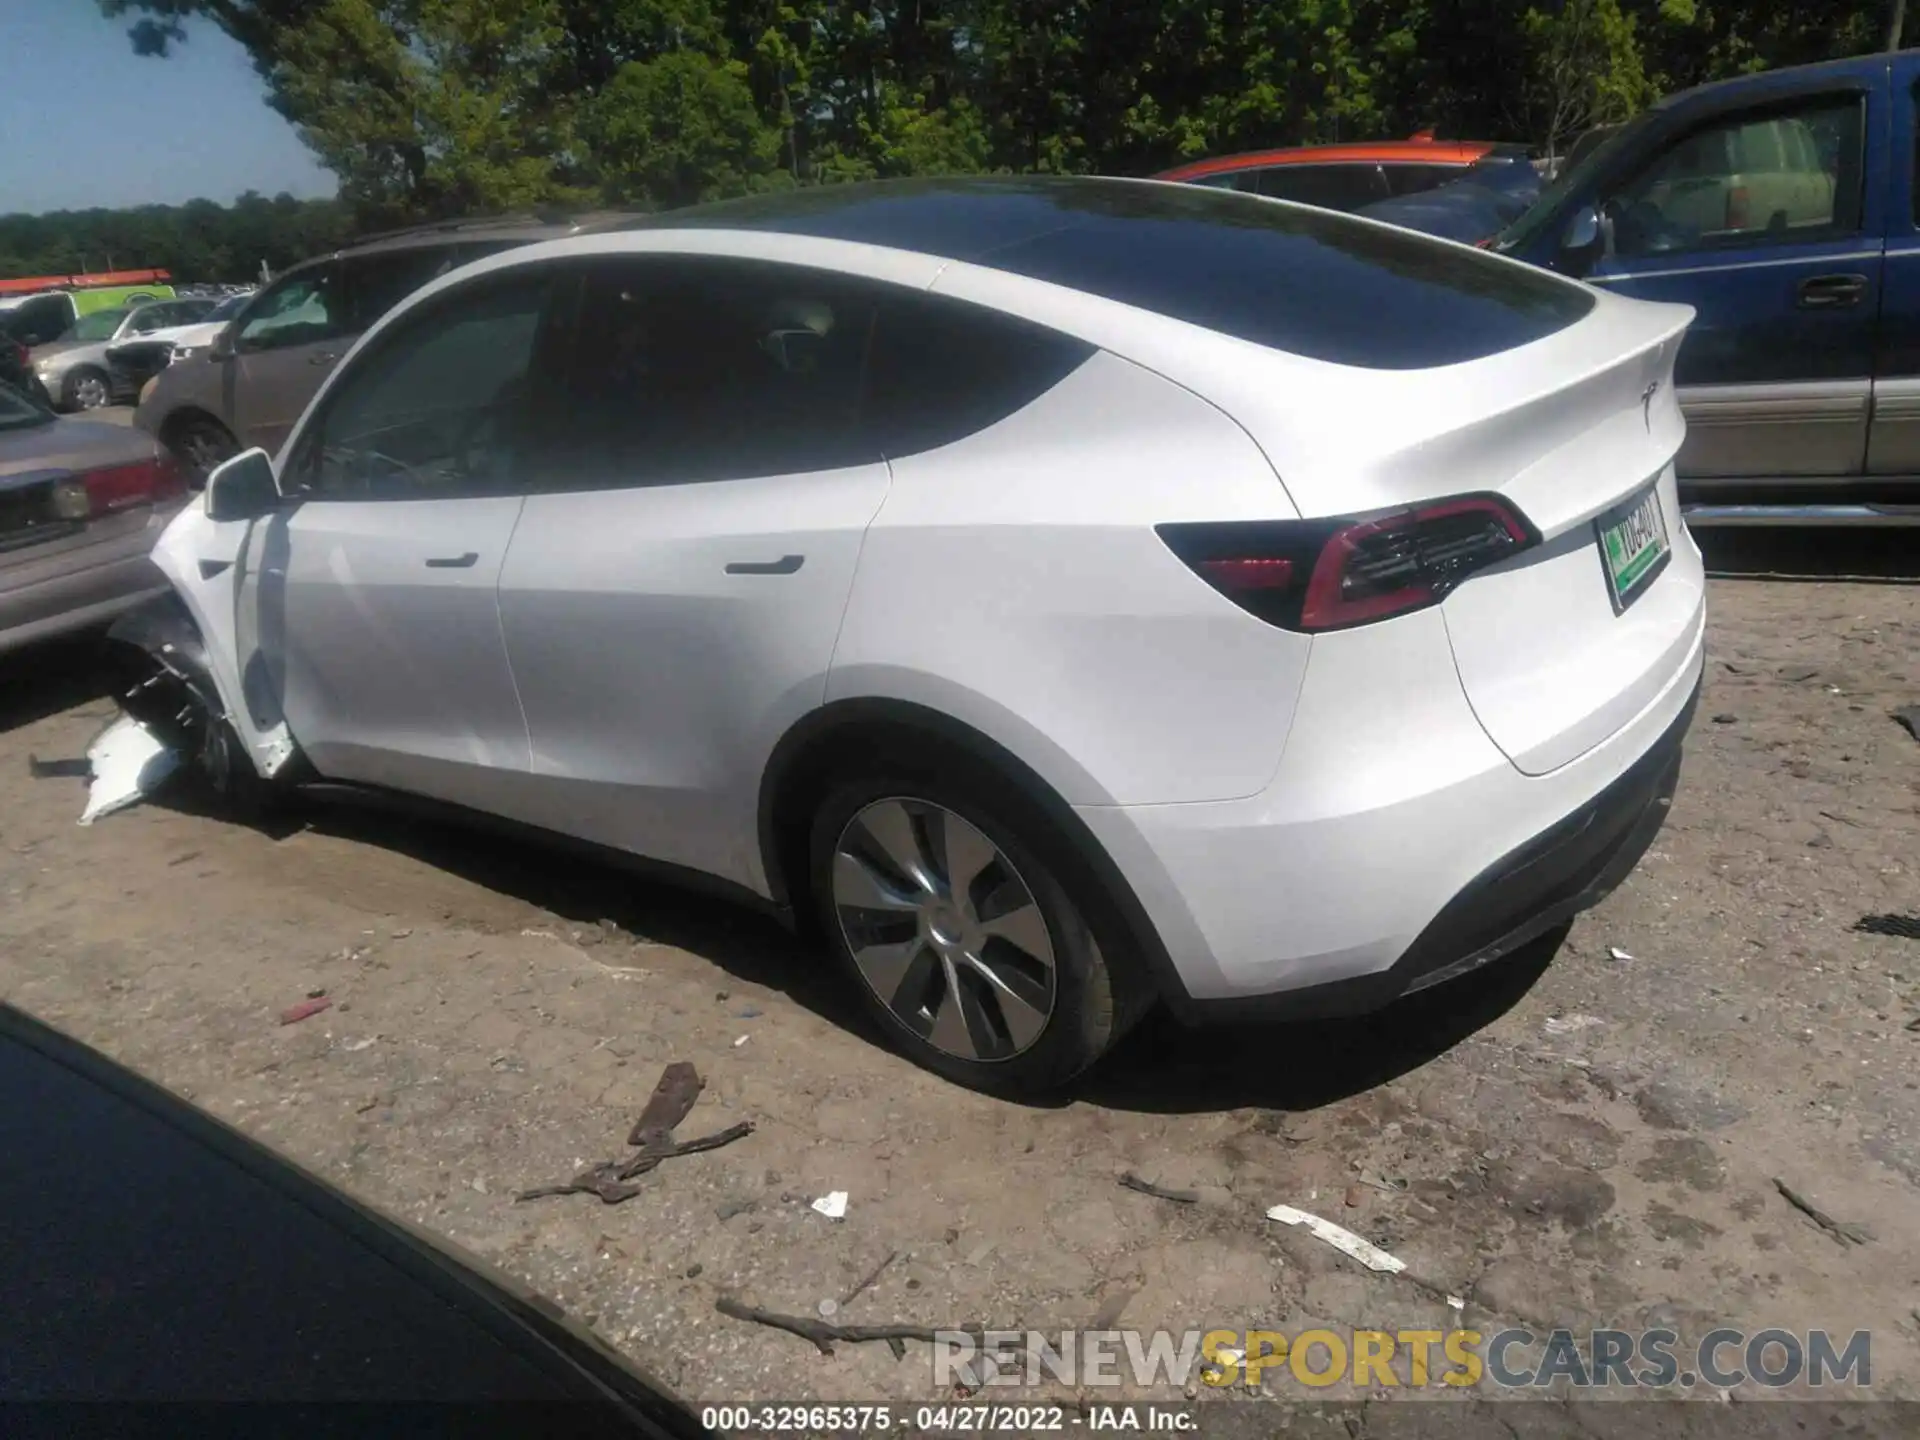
{"points": [[221, 350], [1584, 240], [243, 488]]}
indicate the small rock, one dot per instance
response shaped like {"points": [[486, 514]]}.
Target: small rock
{"points": [[1356, 1196], [316, 994], [1725, 719], [693, 1271]]}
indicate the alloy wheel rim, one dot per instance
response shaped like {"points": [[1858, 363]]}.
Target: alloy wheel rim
{"points": [[90, 392], [944, 929]]}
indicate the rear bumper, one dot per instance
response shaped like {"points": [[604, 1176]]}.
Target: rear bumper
{"points": [[1570, 867], [81, 588], [1396, 848]]}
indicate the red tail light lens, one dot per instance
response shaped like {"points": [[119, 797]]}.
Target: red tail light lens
{"points": [[90, 494], [1317, 575]]}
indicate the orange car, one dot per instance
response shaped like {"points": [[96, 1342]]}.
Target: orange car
{"points": [[1341, 177]]}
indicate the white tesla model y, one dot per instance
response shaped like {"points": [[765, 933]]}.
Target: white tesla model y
{"points": [[1064, 595]]}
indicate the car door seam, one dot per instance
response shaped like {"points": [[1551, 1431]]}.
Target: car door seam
{"points": [[500, 625], [853, 582]]}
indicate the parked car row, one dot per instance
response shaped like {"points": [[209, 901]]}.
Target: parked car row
{"points": [[1783, 208]]}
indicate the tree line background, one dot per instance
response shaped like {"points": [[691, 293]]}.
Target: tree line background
{"points": [[429, 108]]}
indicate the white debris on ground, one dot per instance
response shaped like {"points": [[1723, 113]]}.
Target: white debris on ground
{"points": [[833, 1205], [1341, 1238], [128, 762]]}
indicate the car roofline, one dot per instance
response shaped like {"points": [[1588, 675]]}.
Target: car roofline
{"points": [[1379, 152]]}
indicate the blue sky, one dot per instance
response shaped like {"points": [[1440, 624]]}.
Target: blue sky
{"points": [[84, 121]]}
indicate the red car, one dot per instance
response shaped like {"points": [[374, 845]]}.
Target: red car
{"points": [[1341, 177]]}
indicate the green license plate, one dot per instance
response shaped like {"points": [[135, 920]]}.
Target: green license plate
{"points": [[1634, 546]]}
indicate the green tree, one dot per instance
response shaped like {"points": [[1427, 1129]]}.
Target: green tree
{"points": [[676, 129]]}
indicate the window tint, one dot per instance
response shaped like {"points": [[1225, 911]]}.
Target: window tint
{"points": [[300, 310], [1412, 179], [378, 282], [162, 314], [39, 321], [943, 369], [448, 404], [692, 369], [1332, 187], [1780, 177], [1305, 281]]}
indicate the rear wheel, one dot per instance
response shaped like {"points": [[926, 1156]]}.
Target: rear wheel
{"points": [[85, 388], [943, 899]]}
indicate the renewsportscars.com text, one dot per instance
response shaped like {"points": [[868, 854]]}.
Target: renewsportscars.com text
{"points": [[1406, 1359]]}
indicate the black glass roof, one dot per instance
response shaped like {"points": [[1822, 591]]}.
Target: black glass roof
{"points": [[1307, 281]]}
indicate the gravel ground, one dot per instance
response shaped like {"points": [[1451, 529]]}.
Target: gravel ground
{"points": [[1576, 1137]]}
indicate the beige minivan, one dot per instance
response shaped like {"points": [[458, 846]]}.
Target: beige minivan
{"points": [[251, 385]]}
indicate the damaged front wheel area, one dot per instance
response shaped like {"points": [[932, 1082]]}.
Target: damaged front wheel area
{"points": [[164, 683]]}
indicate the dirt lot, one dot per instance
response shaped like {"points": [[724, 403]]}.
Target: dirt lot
{"points": [[1591, 1141]]}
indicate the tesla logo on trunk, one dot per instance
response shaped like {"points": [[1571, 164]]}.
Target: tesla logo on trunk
{"points": [[1646, 404]]}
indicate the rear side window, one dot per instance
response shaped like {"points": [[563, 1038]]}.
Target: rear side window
{"points": [[1333, 187], [378, 282], [944, 369], [1315, 284], [693, 369]]}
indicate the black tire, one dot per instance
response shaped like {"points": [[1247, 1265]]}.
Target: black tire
{"points": [[1093, 1000], [86, 387], [224, 773], [199, 443]]}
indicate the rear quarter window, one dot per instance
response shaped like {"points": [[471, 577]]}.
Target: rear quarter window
{"points": [[1308, 282]]}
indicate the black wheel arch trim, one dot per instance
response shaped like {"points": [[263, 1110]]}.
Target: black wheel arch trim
{"points": [[164, 630], [840, 719]]}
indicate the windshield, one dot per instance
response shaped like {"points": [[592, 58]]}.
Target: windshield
{"points": [[98, 326], [1571, 180], [17, 412]]}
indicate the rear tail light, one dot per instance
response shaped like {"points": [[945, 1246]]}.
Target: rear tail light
{"points": [[90, 494], [1332, 574]]}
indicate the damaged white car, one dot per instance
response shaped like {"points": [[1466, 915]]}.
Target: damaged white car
{"points": [[1065, 595]]}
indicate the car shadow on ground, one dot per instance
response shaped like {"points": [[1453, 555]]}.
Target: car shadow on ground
{"points": [[1169, 1069], [1163, 1067], [597, 896], [1886, 556], [45, 679]]}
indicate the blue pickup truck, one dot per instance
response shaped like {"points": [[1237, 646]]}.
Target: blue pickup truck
{"points": [[1785, 208]]}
